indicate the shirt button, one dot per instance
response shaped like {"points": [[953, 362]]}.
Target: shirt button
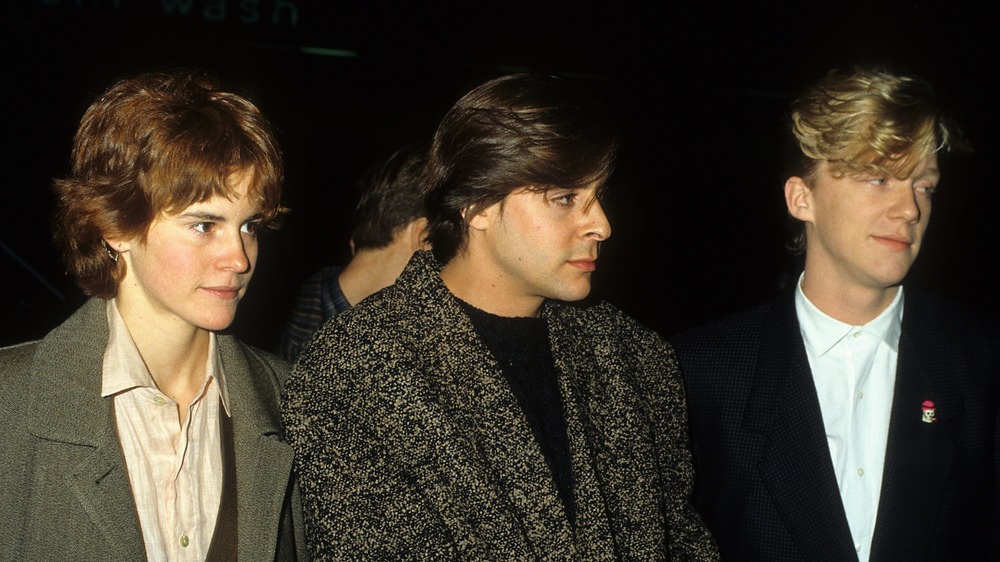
{"points": [[159, 400], [857, 335], [185, 541], [861, 472], [857, 547], [861, 394]]}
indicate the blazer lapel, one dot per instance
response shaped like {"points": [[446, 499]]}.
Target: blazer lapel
{"points": [[101, 485], [263, 458], [79, 426], [919, 455], [795, 465]]}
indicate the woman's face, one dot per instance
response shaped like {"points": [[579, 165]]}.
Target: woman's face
{"points": [[194, 265]]}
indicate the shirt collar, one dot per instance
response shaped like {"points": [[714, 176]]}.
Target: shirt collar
{"points": [[124, 368], [821, 332]]}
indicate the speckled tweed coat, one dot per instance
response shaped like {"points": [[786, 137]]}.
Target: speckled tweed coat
{"points": [[64, 490], [410, 445]]}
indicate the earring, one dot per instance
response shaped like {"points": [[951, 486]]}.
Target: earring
{"points": [[112, 253]]}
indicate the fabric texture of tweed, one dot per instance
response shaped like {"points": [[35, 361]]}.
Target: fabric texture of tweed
{"points": [[410, 444]]}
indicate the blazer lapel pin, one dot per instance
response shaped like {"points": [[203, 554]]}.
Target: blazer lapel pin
{"points": [[929, 411]]}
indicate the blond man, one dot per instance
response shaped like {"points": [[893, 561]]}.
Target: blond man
{"points": [[849, 419]]}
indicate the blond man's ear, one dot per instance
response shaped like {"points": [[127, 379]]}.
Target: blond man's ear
{"points": [[798, 199]]}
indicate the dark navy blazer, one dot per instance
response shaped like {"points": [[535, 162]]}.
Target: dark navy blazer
{"points": [[765, 484]]}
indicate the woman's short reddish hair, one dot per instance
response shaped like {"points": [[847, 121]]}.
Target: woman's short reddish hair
{"points": [[153, 144]]}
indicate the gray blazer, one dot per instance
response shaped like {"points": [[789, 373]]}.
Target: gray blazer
{"points": [[64, 489]]}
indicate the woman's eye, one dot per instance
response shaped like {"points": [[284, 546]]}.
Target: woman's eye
{"points": [[203, 227]]}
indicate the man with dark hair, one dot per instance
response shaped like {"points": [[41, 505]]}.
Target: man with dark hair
{"points": [[135, 430], [465, 413], [843, 421], [388, 228]]}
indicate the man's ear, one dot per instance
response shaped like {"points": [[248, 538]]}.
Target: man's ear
{"points": [[417, 233], [798, 199], [483, 219]]}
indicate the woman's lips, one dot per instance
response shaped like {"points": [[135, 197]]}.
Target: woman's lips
{"points": [[223, 292], [894, 242]]}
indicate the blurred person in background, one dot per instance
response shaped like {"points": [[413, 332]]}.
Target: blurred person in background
{"points": [[389, 226]]}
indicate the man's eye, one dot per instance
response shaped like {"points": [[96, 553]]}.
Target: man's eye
{"points": [[565, 199], [203, 227], [250, 227], [926, 189], [877, 181]]}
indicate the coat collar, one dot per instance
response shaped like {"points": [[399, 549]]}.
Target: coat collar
{"points": [[66, 385], [263, 457], [615, 442], [70, 413], [477, 423], [919, 455], [784, 407]]}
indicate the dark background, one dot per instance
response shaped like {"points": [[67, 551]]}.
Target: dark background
{"points": [[696, 201]]}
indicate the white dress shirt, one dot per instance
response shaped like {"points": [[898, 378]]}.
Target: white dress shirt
{"points": [[854, 370], [175, 469]]}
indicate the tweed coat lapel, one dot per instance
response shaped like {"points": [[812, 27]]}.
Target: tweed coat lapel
{"points": [[919, 455], [77, 429], [795, 464], [263, 458], [501, 443], [611, 448], [472, 451], [593, 530]]}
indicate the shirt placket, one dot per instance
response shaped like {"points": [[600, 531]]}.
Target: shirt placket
{"points": [[861, 347], [188, 494]]}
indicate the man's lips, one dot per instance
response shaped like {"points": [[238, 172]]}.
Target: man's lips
{"points": [[585, 265], [894, 241]]}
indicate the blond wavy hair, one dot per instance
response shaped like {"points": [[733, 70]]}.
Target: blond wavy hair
{"points": [[866, 121]]}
